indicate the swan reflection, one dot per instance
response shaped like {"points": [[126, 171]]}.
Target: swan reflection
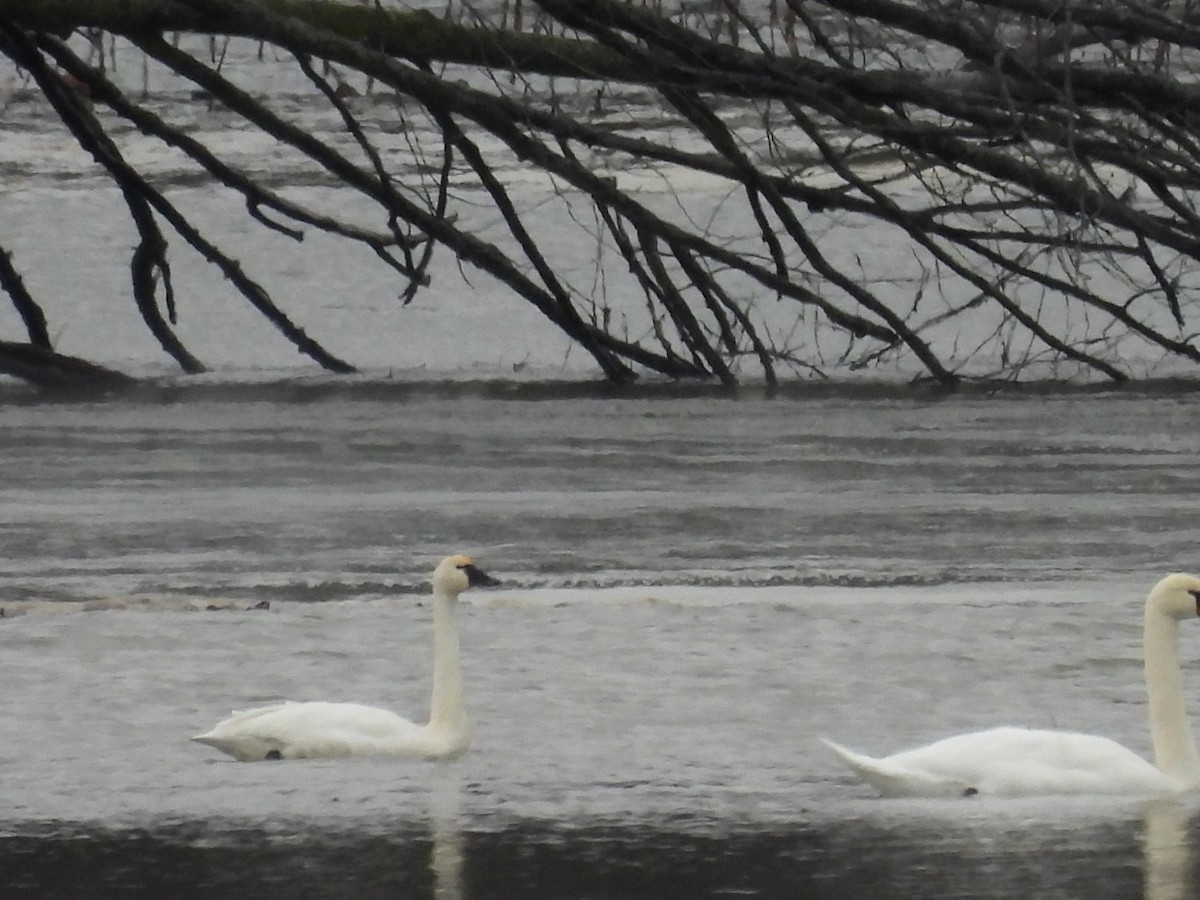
{"points": [[446, 853], [1169, 833]]}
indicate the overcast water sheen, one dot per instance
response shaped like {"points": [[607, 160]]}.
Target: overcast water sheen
{"points": [[696, 587], [696, 584]]}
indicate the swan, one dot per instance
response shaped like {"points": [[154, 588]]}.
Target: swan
{"points": [[1037, 762], [312, 730]]}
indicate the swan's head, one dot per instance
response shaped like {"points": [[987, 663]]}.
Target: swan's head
{"points": [[1177, 596], [455, 574]]}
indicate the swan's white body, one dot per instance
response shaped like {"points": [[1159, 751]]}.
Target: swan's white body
{"points": [[1010, 762], [316, 730], [1019, 762]]}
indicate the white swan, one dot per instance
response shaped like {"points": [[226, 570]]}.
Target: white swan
{"points": [[322, 730], [1029, 762]]}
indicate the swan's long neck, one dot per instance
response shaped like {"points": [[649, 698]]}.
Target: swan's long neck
{"points": [[1174, 749], [446, 710]]}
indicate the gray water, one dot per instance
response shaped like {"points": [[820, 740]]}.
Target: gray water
{"points": [[336, 490], [697, 584], [696, 587]]}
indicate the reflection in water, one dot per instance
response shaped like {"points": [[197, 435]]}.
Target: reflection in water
{"points": [[1170, 852], [446, 854], [748, 531], [893, 850]]}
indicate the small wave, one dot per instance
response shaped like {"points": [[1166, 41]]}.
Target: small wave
{"points": [[18, 608], [705, 588], [778, 579]]}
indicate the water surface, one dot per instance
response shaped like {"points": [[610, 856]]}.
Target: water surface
{"points": [[697, 587], [697, 584]]}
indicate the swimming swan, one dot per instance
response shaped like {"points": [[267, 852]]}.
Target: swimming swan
{"points": [[1029, 762], [322, 730]]}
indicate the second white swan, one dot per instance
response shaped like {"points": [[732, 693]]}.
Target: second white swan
{"points": [[322, 730], [1037, 762]]}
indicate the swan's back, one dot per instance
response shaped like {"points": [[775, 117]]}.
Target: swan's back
{"points": [[317, 730], [1011, 762]]}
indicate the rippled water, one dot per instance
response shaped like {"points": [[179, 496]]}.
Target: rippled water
{"points": [[327, 492], [622, 746], [697, 586]]}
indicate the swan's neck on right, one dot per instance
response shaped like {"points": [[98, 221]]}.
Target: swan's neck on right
{"points": [[1174, 748], [447, 712]]}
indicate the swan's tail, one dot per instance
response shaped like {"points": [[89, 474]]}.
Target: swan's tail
{"points": [[886, 779], [212, 739], [243, 749], [894, 780], [865, 767]]}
